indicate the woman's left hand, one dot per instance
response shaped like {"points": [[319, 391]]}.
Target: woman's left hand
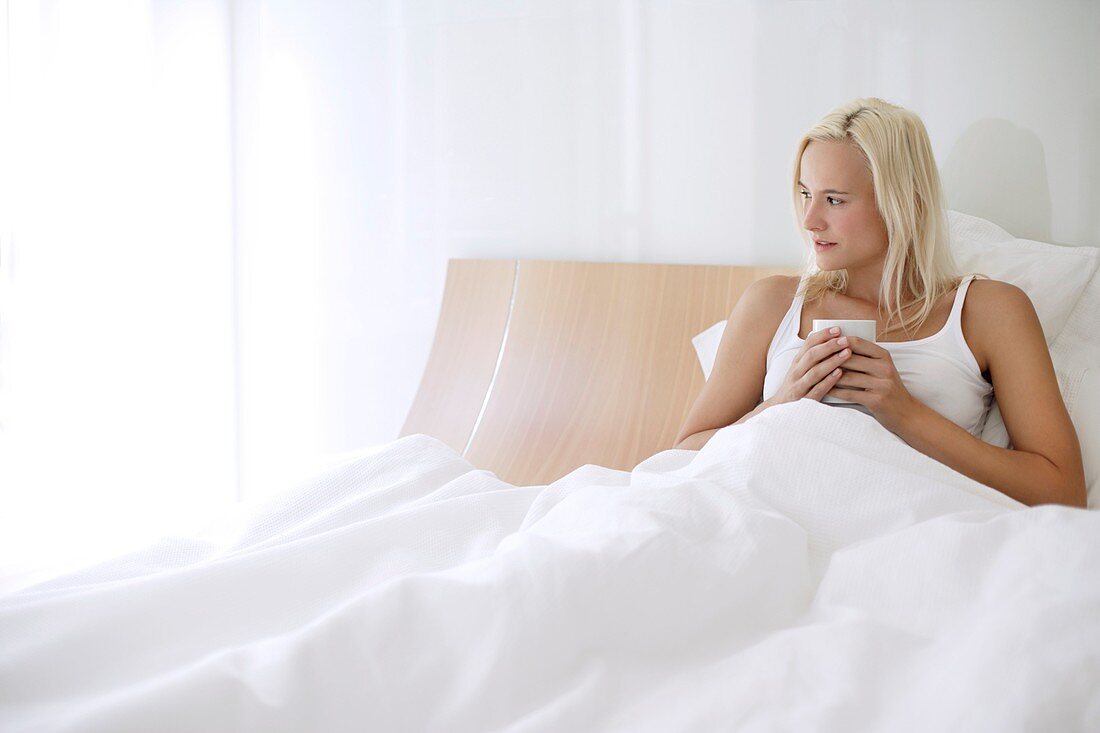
{"points": [[871, 368]]}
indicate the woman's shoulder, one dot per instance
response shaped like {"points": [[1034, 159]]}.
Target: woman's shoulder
{"points": [[775, 293], [993, 288], [766, 301], [989, 304], [779, 287], [987, 297]]}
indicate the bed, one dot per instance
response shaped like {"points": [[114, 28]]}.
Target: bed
{"points": [[530, 554]]}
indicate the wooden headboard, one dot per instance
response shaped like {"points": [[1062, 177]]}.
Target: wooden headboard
{"points": [[539, 367]]}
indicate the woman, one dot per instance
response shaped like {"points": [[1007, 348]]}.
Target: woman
{"points": [[868, 196]]}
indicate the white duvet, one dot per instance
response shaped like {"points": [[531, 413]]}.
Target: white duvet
{"points": [[805, 570]]}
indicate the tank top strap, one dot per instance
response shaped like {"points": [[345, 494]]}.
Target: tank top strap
{"points": [[960, 296], [955, 329], [787, 332], [794, 314]]}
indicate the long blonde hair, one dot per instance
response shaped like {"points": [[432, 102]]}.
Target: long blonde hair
{"points": [[895, 146]]}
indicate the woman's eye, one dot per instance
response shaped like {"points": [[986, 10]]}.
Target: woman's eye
{"points": [[806, 196]]}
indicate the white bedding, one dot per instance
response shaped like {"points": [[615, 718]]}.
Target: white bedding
{"points": [[805, 570]]}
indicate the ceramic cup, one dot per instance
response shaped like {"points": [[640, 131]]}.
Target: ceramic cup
{"points": [[860, 329]]}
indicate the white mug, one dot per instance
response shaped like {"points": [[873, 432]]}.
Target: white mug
{"points": [[860, 329]]}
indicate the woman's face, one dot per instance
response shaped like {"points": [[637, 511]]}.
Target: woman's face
{"points": [[838, 205]]}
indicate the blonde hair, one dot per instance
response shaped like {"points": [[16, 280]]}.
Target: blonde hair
{"points": [[895, 147]]}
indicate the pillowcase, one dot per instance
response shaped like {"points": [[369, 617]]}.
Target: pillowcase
{"points": [[1086, 420], [1054, 277], [1064, 286], [706, 346]]}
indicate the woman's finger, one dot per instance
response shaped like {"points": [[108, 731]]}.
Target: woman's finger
{"points": [[856, 380], [822, 388], [823, 368], [851, 395], [857, 363], [869, 348]]}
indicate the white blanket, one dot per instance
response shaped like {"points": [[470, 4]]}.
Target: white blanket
{"points": [[805, 570]]}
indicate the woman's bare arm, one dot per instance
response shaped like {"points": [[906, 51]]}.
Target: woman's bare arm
{"points": [[698, 440], [737, 379], [1045, 465]]}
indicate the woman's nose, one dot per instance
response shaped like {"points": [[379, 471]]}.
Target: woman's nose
{"points": [[811, 217]]}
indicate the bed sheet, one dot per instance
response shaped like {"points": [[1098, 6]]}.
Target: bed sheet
{"points": [[804, 570]]}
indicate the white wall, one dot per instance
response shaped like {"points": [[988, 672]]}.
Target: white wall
{"points": [[377, 140]]}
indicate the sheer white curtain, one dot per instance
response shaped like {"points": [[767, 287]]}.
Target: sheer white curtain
{"points": [[117, 322]]}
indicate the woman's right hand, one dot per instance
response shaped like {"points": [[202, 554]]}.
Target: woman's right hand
{"points": [[816, 368]]}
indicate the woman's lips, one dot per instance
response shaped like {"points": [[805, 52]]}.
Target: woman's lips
{"points": [[822, 246]]}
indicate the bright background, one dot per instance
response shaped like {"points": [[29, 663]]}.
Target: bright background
{"points": [[225, 224]]}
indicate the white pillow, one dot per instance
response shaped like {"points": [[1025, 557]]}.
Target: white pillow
{"points": [[706, 346], [1064, 286], [1054, 277], [1086, 420]]}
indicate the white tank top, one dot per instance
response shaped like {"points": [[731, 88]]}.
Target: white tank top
{"points": [[939, 370]]}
